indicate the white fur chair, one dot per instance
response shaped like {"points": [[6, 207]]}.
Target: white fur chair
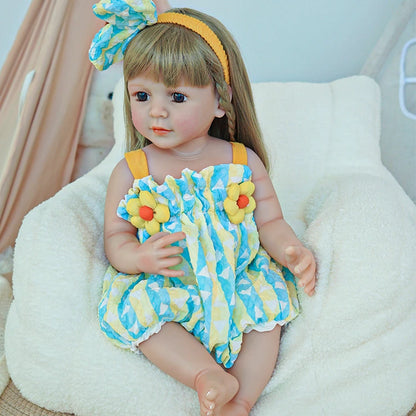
{"points": [[351, 351]]}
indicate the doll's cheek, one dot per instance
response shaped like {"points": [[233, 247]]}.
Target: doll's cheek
{"points": [[138, 121]]}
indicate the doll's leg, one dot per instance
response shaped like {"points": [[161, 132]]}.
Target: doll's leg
{"points": [[253, 369], [179, 354]]}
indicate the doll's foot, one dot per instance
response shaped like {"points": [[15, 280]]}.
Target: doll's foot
{"points": [[215, 388], [236, 407]]}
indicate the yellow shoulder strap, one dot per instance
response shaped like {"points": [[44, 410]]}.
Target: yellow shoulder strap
{"points": [[239, 153], [137, 162]]}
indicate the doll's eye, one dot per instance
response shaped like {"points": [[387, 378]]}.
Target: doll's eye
{"points": [[178, 97], [142, 96]]}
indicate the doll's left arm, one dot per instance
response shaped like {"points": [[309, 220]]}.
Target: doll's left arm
{"points": [[276, 236]]}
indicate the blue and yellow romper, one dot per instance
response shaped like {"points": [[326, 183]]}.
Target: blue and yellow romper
{"points": [[231, 285]]}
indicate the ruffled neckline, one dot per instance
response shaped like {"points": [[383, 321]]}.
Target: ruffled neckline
{"points": [[186, 172]]}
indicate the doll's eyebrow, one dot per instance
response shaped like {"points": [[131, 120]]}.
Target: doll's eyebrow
{"points": [[135, 86]]}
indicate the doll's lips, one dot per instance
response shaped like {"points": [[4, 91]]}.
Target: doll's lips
{"points": [[160, 131]]}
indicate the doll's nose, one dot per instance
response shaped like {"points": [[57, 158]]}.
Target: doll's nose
{"points": [[158, 109]]}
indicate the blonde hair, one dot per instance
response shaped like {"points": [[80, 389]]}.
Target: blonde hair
{"points": [[171, 53]]}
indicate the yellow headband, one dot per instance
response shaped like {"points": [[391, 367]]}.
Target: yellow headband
{"points": [[204, 31]]}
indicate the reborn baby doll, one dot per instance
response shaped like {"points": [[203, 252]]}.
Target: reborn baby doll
{"points": [[202, 261]]}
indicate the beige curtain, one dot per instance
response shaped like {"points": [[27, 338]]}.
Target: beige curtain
{"points": [[39, 130]]}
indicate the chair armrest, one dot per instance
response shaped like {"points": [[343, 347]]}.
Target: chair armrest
{"points": [[358, 222], [360, 324]]}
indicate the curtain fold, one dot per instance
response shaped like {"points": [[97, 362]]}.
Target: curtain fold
{"points": [[38, 145]]}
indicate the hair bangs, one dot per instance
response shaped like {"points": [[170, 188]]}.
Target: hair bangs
{"points": [[171, 54]]}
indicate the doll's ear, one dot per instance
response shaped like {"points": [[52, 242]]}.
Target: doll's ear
{"points": [[220, 111]]}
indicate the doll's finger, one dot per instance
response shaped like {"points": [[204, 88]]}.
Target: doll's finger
{"points": [[170, 262], [306, 262], [307, 276], [157, 236], [163, 239], [173, 238], [310, 291], [310, 288], [310, 284], [171, 273], [171, 251]]}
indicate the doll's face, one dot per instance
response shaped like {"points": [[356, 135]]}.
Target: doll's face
{"points": [[172, 117]]}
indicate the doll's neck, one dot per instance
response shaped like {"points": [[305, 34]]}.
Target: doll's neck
{"points": [[193, 151]]}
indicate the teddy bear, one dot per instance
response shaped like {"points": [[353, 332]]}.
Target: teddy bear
{"points": [[97, 130]]}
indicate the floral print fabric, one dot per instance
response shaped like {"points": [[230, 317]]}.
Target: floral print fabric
{"points": [[231, 285]]}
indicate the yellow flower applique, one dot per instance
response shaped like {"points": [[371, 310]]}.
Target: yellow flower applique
{"points": [[146, 213], [239, 201]]}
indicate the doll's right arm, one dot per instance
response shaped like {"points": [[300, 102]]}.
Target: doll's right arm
{"points": [[121, 245]]}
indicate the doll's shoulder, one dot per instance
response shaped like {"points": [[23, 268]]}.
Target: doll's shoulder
{"points": [[121, 175], [255, 164], [121, 168]]}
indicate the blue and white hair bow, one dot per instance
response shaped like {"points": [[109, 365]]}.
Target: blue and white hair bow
{"points": [[125, 18]]}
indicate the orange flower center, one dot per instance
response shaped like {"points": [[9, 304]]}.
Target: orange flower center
{"points": [[242, 201], [146, 213]]}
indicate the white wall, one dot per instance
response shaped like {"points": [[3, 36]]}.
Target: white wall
{"points": [[12, 14], [283, 40], [301, 40]]}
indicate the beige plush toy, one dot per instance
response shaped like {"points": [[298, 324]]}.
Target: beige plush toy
{"points": [[97, 131]]}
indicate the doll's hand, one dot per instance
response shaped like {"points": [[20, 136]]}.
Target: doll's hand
{"points": [[162, 6], [157, 254], [301, 262]]}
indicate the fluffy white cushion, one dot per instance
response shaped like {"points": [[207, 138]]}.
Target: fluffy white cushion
{"points": [[317, 130], [5, 301], [351, 351]]}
